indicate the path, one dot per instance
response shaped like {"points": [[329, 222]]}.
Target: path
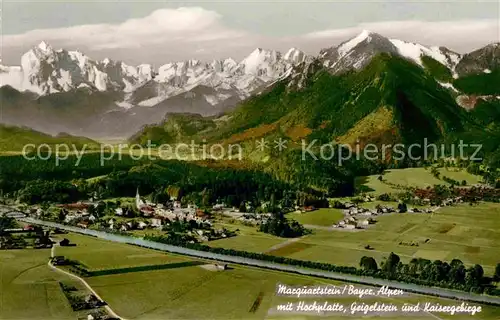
{"points": [[330, 228], [408, 287], [284, 244], [107, 307]]}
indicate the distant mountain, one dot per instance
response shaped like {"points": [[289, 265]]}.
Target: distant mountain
{"points": [[358, 52], [390, 100], [16, 138], [484, 60], [119, 99], [44, 71], [58, 90]]}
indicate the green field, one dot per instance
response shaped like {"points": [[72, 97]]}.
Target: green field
{"points": [[471, 234], [320, 217], [248, 239], [91, 253], [30, 289], [194, 292], [411, 177]]}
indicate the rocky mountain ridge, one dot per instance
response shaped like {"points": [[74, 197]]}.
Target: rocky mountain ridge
{"points": [[59, 90]]}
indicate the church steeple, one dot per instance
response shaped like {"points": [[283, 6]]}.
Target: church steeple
{"points": [[138, 202]]}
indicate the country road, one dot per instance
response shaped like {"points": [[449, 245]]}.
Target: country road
{"points": [[433, 291], [69, 274]]}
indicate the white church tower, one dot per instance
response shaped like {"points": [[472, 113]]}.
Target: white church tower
{"points": [[138, 201]]}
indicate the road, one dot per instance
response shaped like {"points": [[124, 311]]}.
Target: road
{"points": [[69, 274], [433, 291]]}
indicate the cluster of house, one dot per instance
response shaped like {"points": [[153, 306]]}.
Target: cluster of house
{"points": [[78, 213], [254, 218], [358, 217], [161, 214], [451, 201], [249, 218], [127, 225], [15, 238], [352, 222], [304, 209], [352, 210], [210, 234]]}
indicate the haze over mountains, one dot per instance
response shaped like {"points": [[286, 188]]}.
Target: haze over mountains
{"points": [[65, 91]]}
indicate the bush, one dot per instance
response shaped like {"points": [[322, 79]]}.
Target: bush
{"points": [[384, 197]]}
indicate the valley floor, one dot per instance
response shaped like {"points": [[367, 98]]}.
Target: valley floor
{"points": [[197, 292], [468, 233]]}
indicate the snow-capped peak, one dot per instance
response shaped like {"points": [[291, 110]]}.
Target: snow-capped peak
{"points": [[44, 46], [46, 71], [260, 61], [345, 47], [294, 55], [415, 51]]}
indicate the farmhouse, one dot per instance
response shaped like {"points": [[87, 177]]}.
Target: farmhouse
{"points": [[350, 226], [141, 225], [83, 224], [157, 221], [220, 266], [219, 206], [147, 211], [308, 209]]}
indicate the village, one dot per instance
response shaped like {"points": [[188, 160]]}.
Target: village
{"points": [[143, 216], [358, 217]]}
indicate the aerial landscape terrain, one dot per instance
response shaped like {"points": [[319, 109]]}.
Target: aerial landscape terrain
{"points": [[208, 173]]}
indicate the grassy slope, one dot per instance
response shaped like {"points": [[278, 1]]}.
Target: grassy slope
{"points": [[480, 84], [408, 99], [176, 127], [439, 71], [15, 138]]}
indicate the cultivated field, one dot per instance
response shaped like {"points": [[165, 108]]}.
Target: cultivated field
{"points": [[248, 239], [95, 256], [195, 292], [471, 234], [29, 289], [321, 217]]}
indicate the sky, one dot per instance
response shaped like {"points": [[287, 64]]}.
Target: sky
{"points": [[158, 32]]}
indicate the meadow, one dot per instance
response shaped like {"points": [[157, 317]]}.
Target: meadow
{"points": [[468, 233], [320, 217], [248, 238], [195, 292], [91, 253], [411, 177], [30, 289]]}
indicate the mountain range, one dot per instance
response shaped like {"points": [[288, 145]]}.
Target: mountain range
{"points": [[66, 91], [369, 89]]}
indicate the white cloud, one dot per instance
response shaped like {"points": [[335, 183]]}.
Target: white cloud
{"points": [[164, 25], [193, 32]]}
